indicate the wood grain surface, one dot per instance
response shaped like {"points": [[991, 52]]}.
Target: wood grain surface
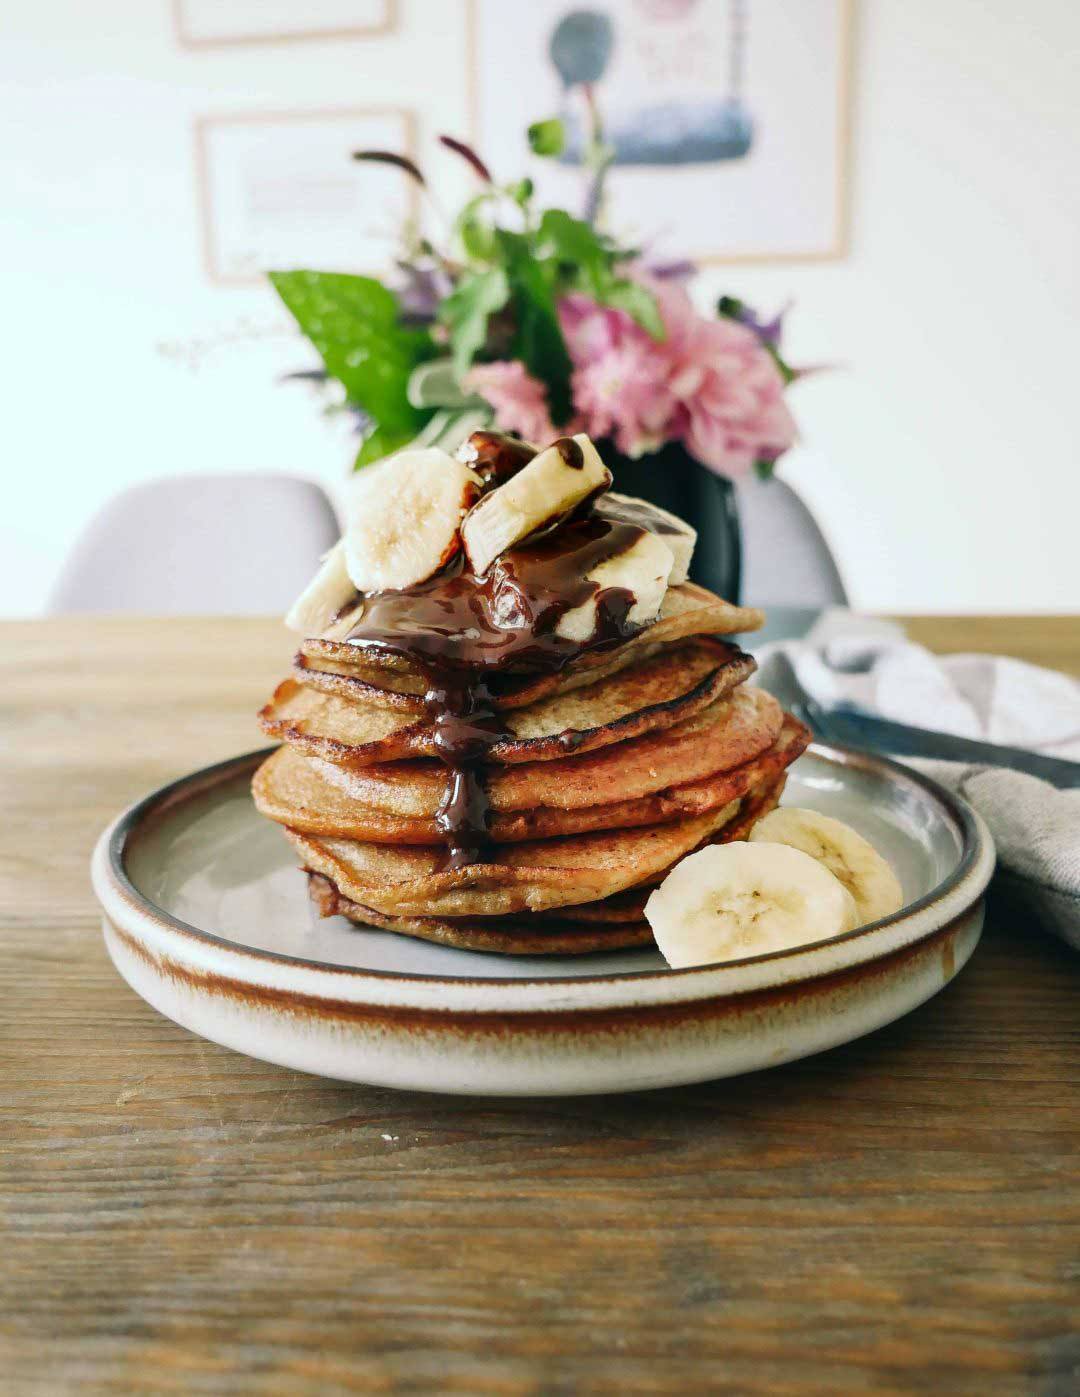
{"points": [[898, 1215]]}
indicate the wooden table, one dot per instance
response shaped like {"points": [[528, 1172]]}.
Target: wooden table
{"points": [[898, 1215]]}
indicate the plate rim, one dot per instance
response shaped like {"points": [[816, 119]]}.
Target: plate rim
{"points": [[110, 876]]}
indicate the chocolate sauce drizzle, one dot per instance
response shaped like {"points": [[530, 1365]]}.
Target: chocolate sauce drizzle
{"points": [[462, 631], [466, 726], [571, 453], [496, 456], [631, 511]]}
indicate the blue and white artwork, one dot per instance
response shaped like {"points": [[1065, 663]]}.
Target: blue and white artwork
{"points": [[679, 131], [724, 118]]}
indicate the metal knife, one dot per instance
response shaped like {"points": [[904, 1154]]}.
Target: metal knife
{"points": [[881, 735]]}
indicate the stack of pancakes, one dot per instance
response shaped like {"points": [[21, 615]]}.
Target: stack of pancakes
{"points": [[602, 776]]}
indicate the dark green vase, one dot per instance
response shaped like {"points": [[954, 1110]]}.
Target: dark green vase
{"points": [[672, 479]]}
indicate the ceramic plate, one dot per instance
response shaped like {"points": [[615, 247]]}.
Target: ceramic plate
{"points": [[207, 917]]}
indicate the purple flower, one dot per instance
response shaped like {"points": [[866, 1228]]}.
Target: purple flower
{"points": [[767, 331], [420, 291]]}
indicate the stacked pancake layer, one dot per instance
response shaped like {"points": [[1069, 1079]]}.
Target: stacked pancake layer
{"points": [[598, 778]]}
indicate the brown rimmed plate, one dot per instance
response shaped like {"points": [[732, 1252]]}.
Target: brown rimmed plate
{"points": [[207, 917]]}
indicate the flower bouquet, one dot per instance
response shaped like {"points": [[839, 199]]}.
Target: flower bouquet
{"points": [[539, 322]]}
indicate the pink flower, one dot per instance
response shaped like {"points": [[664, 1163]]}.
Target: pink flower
{"points": [[620, 379], [518, 400], [709, 383], [732, 395], [676, 309], [625, 394], [589, 329]]}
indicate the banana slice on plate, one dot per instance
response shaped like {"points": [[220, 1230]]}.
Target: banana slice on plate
{"points": [[871, 881], [642, 570], [328, 591], [403, 518], [730, 901], [549, 487]]}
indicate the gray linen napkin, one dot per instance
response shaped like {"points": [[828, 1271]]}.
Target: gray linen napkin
{"points": [[868, 663]]}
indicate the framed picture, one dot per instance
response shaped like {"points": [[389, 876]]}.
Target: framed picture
{"points": [[727, 118], [207, 23], [279, 189]]}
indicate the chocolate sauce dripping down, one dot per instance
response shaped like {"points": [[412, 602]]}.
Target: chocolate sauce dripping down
{"points": [[465, 729], [463, 631]]}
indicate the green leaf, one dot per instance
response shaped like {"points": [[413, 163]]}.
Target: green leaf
{"points": [[466, 310], [538, 339], [380, 443], [592, 261], [787, 373], [572, 241], [449, 429], [353, 322], [638, 302], [572, 238], [446, 428], [476, 235], [547, 137], [477, 239], [435, 385]]}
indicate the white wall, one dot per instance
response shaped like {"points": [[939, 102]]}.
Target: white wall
{"points": [[940, 459], [945, 467]]}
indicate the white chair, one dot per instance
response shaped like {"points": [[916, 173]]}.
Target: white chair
{"points": [[785, 559], [199, 544]]}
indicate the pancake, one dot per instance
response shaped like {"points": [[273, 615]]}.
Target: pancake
{"points": [[617, 923], [326, 720], [629, 906], [309, 796], [719, 738], [522, 936], [415, 881], [289, 792], [687, 611]]}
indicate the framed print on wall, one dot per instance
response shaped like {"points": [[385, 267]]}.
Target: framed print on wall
{"points": [[280, 189], [728, 118], [207, 23]]}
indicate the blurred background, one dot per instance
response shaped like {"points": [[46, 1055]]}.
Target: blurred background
{"points": [[926, 229]]}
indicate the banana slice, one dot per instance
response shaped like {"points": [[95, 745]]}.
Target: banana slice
{"points": [[729, 901], [404, 516], [551, 485], [328, 591], [676, 532], [643, 570], [871, 881], [342, 628]]}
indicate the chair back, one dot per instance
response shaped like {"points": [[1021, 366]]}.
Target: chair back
{"points": [[785, 559], [244, 543]]}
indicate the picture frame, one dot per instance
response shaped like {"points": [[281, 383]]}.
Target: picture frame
{"points": [[223, 23], [733, 115], [278, 189]]}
